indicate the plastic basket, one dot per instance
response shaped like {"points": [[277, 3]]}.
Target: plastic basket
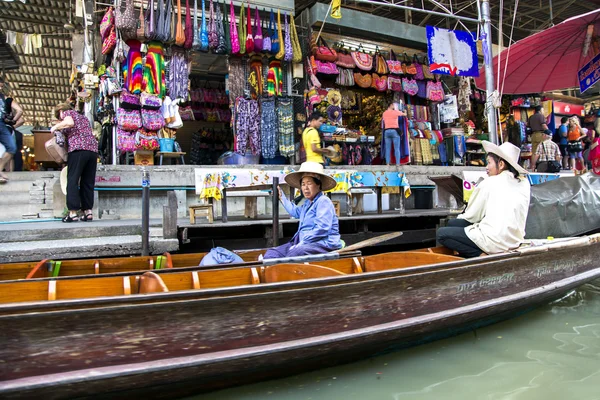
{"points": [[166, 145]]}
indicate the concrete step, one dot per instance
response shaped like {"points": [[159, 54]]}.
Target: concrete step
{"points": [[107, 246], [75, 230], [15, 186], [18, 199]]}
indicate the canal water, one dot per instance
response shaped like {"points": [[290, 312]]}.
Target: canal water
{"points": [[552, 352]]}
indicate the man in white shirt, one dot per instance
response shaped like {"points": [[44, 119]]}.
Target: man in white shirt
{"points": [[494, 221]]}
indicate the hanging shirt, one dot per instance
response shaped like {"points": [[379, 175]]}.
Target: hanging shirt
{"points": [[498, 211], [318, 222], [310, 136]]}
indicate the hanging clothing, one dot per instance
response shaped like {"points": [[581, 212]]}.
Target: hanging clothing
{"points": [[285, 116], [237, 80], [268, 128], [179, 70], [274, 79], [134, 67], [11, 37], [464, 94], [154, 70], [247, 127]]}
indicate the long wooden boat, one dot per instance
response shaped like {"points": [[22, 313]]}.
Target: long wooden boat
{"points": [[178, 342]]}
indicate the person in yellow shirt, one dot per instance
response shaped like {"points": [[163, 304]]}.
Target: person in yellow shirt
{"points": [[311, 139]]}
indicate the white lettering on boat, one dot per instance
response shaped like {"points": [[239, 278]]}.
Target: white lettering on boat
{"points": [[485, 282], [549, 270]]}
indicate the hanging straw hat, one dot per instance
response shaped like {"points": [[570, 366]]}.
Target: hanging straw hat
{"points": [[330, 152], [313, 169], [506, 151], [63, 180]]}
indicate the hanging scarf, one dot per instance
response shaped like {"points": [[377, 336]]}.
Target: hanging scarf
{"points": [[154, 74], [274, 79], [133, 80]]}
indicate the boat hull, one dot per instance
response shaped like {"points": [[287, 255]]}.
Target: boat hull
{"points": [[176, 348]]}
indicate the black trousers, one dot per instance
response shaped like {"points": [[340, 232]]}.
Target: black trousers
{"points": [[81, 178], [454, 237], [18, 157]]}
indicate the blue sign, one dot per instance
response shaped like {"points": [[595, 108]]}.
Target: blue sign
{"points": [[452, 52], [589, 74]]}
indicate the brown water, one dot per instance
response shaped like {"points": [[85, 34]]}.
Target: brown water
{"points": [[550, 353]]}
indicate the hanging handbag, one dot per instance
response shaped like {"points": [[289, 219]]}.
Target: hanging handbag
{"points": [[258, 37], [242, 30], [150, 101], [394, 84], [196, 42], [323, 67], [129, 101], [109, 43], [296, 48], [125, 141], [189, 34], [129, 120], [152, 119], [267, 38], [108, 21], [408, 67], [213, 36], [409, 86], [381, 66], [233, 32], [179, 33], [204, 43], [313, 81], [380, 83], [435, 91], [422, 92], [171, 28], [362, 60], [426, 71], [150, 22], [289, 50], [145, 139], [345, 77], [160, 22], [394, 65], [281, 53], [222, 46], [324, 52], [249, 36], [345, 60], [418, 67], [363, 81], [141, 24], [125, 21], [276, 35]]}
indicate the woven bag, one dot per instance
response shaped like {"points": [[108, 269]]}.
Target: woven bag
{"points": [[363, 81], [362, 60]]}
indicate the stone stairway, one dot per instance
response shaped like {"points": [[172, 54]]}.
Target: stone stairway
{"points": [[31, 195]]}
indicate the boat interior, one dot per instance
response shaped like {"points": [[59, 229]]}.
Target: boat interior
{"points": [[158, 281]]}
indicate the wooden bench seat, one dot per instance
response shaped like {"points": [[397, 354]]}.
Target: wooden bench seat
{"points": [[295, 272], [405, 259]]}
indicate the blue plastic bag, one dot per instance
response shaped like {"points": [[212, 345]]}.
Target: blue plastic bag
{"points": [[219, 255]]}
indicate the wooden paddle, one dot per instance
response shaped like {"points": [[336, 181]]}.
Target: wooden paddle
{"points": [[370, 242]]}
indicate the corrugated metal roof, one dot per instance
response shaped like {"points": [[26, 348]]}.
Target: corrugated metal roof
{"points": [[42, 81]]}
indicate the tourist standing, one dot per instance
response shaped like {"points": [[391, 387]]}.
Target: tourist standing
{"points": [[311, 139], [82, 148], [537, 123], [563, 143], [575, 145], [6, 137], [391, 136]]}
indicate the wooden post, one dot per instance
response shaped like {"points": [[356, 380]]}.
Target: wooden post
{"points": [[379, 189], [170, 216], [275, 212], [224, 206]]}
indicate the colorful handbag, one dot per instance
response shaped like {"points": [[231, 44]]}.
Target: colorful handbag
{"points": [[213, 36], [345, 60], [394, 65], [196, 42], [189, 33], [249, 36], [109, 43], [233, 32], [141, 24], [125, 21], [266, 44], [258, 37], [422, 92], [394, 84], [362, 60], [129, 120], [145, 140], [108, 21], [435, 91], [130, 101], [152, 119], [150, 101], [296, 48], [324, 67], [289, 50], [276, 35], [381, 67], [186, 113], [364, 81], [149, 22], [345, 77], [204, 43], [281, 53], [125, 141], [222, 46], [409, 68], [409, 86], [242, 30], [179, 33], [426, 71], [324, 52], [419, 68], [380, 83]]}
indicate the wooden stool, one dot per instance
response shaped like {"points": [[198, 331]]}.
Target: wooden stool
{"points": [[171, 155], [336, 205], [206, 210]]}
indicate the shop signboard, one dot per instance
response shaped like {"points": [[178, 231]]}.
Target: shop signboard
{"points": [[452, 52], [589, 74], [568, 109]]}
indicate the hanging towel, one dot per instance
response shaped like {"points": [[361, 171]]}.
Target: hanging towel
{"points": [[134, 67], [11, 37], [36, 41]]}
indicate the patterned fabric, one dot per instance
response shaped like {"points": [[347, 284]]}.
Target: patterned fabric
{"points": [[134, 69], [237, 82], [247, 127], [285, 115], [179, 75], [268, 128], [154, 74], [289, 51], [80, 136], [426, 152], [274, 80]]}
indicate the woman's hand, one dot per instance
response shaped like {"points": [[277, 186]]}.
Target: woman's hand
{"points": [[281, 196]]}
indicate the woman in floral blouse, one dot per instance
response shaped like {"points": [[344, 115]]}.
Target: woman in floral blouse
{"points": [[82, 147]]}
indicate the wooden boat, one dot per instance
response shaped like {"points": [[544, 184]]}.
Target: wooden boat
{"points": [[176, 343]]}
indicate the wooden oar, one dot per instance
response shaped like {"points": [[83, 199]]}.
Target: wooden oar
{"points": [[370, 242]]}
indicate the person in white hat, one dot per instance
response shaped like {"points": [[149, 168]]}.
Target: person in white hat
{"points": [[494, 220], [318, 231]]}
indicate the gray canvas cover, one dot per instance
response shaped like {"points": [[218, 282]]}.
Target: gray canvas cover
{"points": [[564, 207]]}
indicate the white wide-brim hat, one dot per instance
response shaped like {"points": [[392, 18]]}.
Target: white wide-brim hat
{"points": [[506, 151], [330, 152], [314, 169]]}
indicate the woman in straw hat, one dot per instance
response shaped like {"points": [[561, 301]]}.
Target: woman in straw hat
{"points": [[494, 220], [318, 231]]}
